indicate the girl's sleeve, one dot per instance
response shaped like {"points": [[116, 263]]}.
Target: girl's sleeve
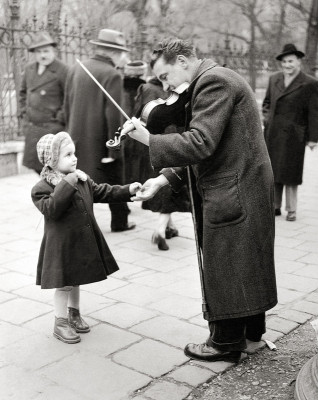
{"points": [[105, 193], [53, 204]]}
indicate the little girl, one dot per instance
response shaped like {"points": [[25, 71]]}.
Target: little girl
{"points": [[73, 250]]}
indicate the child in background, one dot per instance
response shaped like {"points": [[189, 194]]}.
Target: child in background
{"points": [[73, 250]]}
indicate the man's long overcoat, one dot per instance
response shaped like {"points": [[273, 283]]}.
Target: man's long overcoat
{"points": [[92, 119], [41, 100], [225, 146], [73, 249], [290, 119]]}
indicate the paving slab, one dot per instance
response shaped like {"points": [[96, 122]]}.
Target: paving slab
{"points": [[281, 325], [192, 375], [17, 383], [21, 310], [104, 339], [176, 332], [160, 391], [95, 377], [150, 357], [123, 315]]}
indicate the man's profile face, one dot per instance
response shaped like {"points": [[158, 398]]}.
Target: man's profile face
{"points": [[290, 64], [44, 55], [170, 75], [120, 58]]}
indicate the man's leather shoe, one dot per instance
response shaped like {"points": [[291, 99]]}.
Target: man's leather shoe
{"points": [[128, 227], [76, 321], [277, 211], [202, 352], [64, 332]]}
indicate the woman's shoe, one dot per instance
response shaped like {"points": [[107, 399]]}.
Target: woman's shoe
{"points": [[76, 321], [160, 241], [171, 232], [64, 332]]}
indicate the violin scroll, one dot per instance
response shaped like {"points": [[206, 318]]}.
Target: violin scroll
{"points": [[114, 144]]}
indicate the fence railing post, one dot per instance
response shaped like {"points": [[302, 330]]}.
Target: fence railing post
{"points": [[15, 50]]}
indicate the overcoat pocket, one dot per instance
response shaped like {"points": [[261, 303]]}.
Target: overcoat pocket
{"points": [[222, 203]]}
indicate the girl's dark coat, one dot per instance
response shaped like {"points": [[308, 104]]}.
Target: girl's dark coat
{"points": [[290, 119], [41, 101], [225, 146], [73, 249]]}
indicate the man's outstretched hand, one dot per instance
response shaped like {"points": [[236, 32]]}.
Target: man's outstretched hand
{"points": [[150, 188]]}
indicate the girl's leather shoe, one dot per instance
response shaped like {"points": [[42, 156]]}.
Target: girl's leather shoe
{"points": [[171, 232], [160, 241], [64, 332], [76, 321], [202, 352]]}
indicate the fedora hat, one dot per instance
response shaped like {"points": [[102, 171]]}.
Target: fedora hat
{"points": [[112, 39], [290, 49], [135, 68], [41, 39]]}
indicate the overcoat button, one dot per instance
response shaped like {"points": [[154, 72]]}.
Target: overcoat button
{"points": [[43, 92]]}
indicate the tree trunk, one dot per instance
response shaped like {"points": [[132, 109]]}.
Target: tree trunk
{"points": [[53, 17], [312, 40]]}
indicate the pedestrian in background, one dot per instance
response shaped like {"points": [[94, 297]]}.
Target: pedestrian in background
{"points": [[290, 110], [92, 119], [73, 250], [134, 75], [166, 201], [41, 96], [232, 189]]}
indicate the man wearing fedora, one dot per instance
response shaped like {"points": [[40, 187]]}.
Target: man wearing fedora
{"points": [[290, 111], [134, 76], [92, 119], [41, 96]]}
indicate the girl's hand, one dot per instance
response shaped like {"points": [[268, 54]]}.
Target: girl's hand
{"points": [[81, 175], [134, 187]]}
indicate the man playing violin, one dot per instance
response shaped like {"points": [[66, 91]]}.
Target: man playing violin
{"points": [[231, 183]]}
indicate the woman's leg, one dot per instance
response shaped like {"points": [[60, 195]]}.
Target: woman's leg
{"points": [[160, 233]]}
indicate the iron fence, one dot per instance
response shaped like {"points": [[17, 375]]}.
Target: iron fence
{"points": [[74, 43]]}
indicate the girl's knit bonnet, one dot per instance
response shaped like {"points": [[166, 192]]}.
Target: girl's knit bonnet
{"points": [[48, 149]]}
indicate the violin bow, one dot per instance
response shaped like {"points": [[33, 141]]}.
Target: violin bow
{"points": [[112, 143]]}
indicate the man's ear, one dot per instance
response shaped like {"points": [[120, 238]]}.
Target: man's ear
{"points": [[182, 60]]}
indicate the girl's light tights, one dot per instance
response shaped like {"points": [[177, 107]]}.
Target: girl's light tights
{"points": [[67, 296]]}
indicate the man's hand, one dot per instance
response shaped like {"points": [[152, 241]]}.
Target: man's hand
{"points": [[312, 145], [139, 133], [150, 188]]}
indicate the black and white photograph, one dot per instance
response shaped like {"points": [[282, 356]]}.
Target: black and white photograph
{"points": [[159, 199]]}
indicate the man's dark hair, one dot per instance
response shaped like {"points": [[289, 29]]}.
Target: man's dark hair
{"points": [[169, 49]]}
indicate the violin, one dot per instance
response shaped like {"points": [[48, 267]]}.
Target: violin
{"points": [[157, 114]]}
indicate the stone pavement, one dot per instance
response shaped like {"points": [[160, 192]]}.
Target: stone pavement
{"points": [[143, 315]]}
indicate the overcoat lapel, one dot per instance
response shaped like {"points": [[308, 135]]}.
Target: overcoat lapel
{"points": [[49, 75], [294, 85]]}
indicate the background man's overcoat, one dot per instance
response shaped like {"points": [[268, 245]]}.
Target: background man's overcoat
{"points": [[73, 249], [290, 119], [92, 119], [41, 101], [225, 146]]}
